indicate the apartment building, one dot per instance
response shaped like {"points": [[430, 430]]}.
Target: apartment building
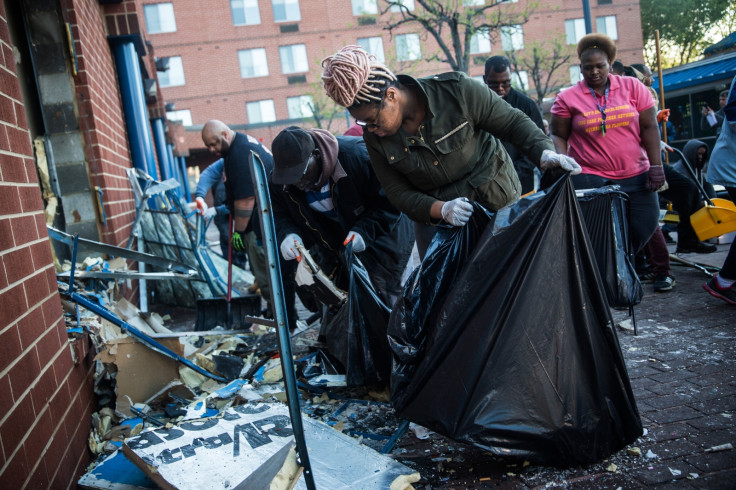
{"points": [[255, 64]]}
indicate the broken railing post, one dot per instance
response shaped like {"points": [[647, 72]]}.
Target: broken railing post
{"points": [[265, 212]]}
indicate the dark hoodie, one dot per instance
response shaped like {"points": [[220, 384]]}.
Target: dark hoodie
{"points": [[691, 153]]}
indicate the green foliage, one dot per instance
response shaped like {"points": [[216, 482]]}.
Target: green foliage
{"points": [[683, 27]]}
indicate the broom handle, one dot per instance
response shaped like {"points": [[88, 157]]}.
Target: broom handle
{"points": [[695, 178], [661, 90]]}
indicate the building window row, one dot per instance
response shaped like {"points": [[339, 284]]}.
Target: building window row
{"points": [[575, 28]]}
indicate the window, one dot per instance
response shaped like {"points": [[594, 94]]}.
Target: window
{"points": [[512, 37], [409, 4], [407, 47], [253, 63], [480, 42], [293, 59], [245, 12], [300, 107], [374, 46], [520, 80], [473, 3], [260, 111], [575, 75], [286, 10], [574, 30], [159, 18], [605, 2], [174, 74], [184, 116], [364, 7], [607, 25]]}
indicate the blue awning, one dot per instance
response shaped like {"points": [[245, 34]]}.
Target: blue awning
{"points": [[699, 73]]}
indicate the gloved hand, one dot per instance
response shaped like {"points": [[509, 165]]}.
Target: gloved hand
{"points": [[210, 213], [664, 146], [238, 241], [550, 159], [656, 177], [201, 205], [663, 115], [358, 242], [458, 211], [288, 246]]}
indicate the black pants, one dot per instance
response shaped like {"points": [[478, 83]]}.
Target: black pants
{"points": [[728, 271], [685, 199]]}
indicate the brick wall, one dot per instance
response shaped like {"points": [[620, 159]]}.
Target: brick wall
{"points": [[45, 398], [101, 116]]}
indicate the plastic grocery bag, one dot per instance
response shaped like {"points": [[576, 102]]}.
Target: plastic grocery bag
{"points": [[503, 338]]}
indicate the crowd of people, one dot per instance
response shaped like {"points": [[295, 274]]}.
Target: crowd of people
{"points": [[423, 149]]}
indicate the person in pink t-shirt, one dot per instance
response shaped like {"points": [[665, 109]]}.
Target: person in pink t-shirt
{"points": [[608, 124]]}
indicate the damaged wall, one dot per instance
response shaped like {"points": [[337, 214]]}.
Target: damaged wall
{"points": [[46, 395], [45, 398]]}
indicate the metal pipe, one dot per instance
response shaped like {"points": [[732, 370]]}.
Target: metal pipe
{"points": [[134, 106], [159, 137], [586, 16], [185, 178], [265, 213], [175, 172]]}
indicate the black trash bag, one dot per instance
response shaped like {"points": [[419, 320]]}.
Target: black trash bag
{"points": [[356, 333], [604, 211], [504, 339]]}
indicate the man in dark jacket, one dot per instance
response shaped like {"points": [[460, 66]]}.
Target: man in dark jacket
{"points": [[327, 194], [498, 79]]}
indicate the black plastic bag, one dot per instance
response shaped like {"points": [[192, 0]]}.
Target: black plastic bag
{"points": [[604, 212], [356, 333], [504, 339]]}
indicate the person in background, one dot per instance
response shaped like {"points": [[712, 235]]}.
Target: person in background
{"points": [[433, 141], [698, 156], [328, 195], [235, 149], [711, 119], [623, 150], [618, 68], [354, 130], [212, 179], [723, 172], [498, 79]]}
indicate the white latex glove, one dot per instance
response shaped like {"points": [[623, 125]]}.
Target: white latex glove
{"points": [[358, 242], [664, 146], [550, 159], [458, 211], [209, 213], [201, 205], [288, 246]]}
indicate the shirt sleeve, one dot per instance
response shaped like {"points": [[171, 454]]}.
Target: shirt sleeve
{"points": [[643, 97], [560, 107], [209, 178]]}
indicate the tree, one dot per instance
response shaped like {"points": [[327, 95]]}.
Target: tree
{"points": [[683, 26], [453, 23], [541, 61]]}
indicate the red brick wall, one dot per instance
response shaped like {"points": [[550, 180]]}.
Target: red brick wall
{"points": [[208, 43], [101, 116], [45, 399]]}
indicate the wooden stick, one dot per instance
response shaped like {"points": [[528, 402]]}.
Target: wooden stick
{"points": [[661, 92]]}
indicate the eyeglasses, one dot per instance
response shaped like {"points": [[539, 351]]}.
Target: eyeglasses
{"points": [[373, 125], [495, 85]]}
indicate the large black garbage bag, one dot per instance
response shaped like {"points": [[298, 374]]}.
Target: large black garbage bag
{"points": [[356, 333], [514, 350], [604, 212]]}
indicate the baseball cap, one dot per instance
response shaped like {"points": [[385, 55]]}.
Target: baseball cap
{"points": [[291, 150]]}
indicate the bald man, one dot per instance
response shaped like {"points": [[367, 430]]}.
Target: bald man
{"points": [[234, 148]]}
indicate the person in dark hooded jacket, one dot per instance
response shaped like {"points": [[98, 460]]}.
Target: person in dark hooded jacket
{"points": [[327, 195], [698, 155]]}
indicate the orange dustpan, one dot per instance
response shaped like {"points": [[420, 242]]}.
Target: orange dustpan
{"points": [[717, 218]]}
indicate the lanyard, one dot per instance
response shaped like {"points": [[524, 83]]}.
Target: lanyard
{"points": [[602, 109]]}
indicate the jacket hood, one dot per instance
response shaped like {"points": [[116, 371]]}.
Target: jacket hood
{"points": [[691, 151]]}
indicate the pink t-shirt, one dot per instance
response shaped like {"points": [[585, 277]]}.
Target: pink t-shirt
{"points": [[619, 154]]}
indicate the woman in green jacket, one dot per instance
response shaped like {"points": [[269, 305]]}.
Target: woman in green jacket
{"points": [[433, 141]]}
